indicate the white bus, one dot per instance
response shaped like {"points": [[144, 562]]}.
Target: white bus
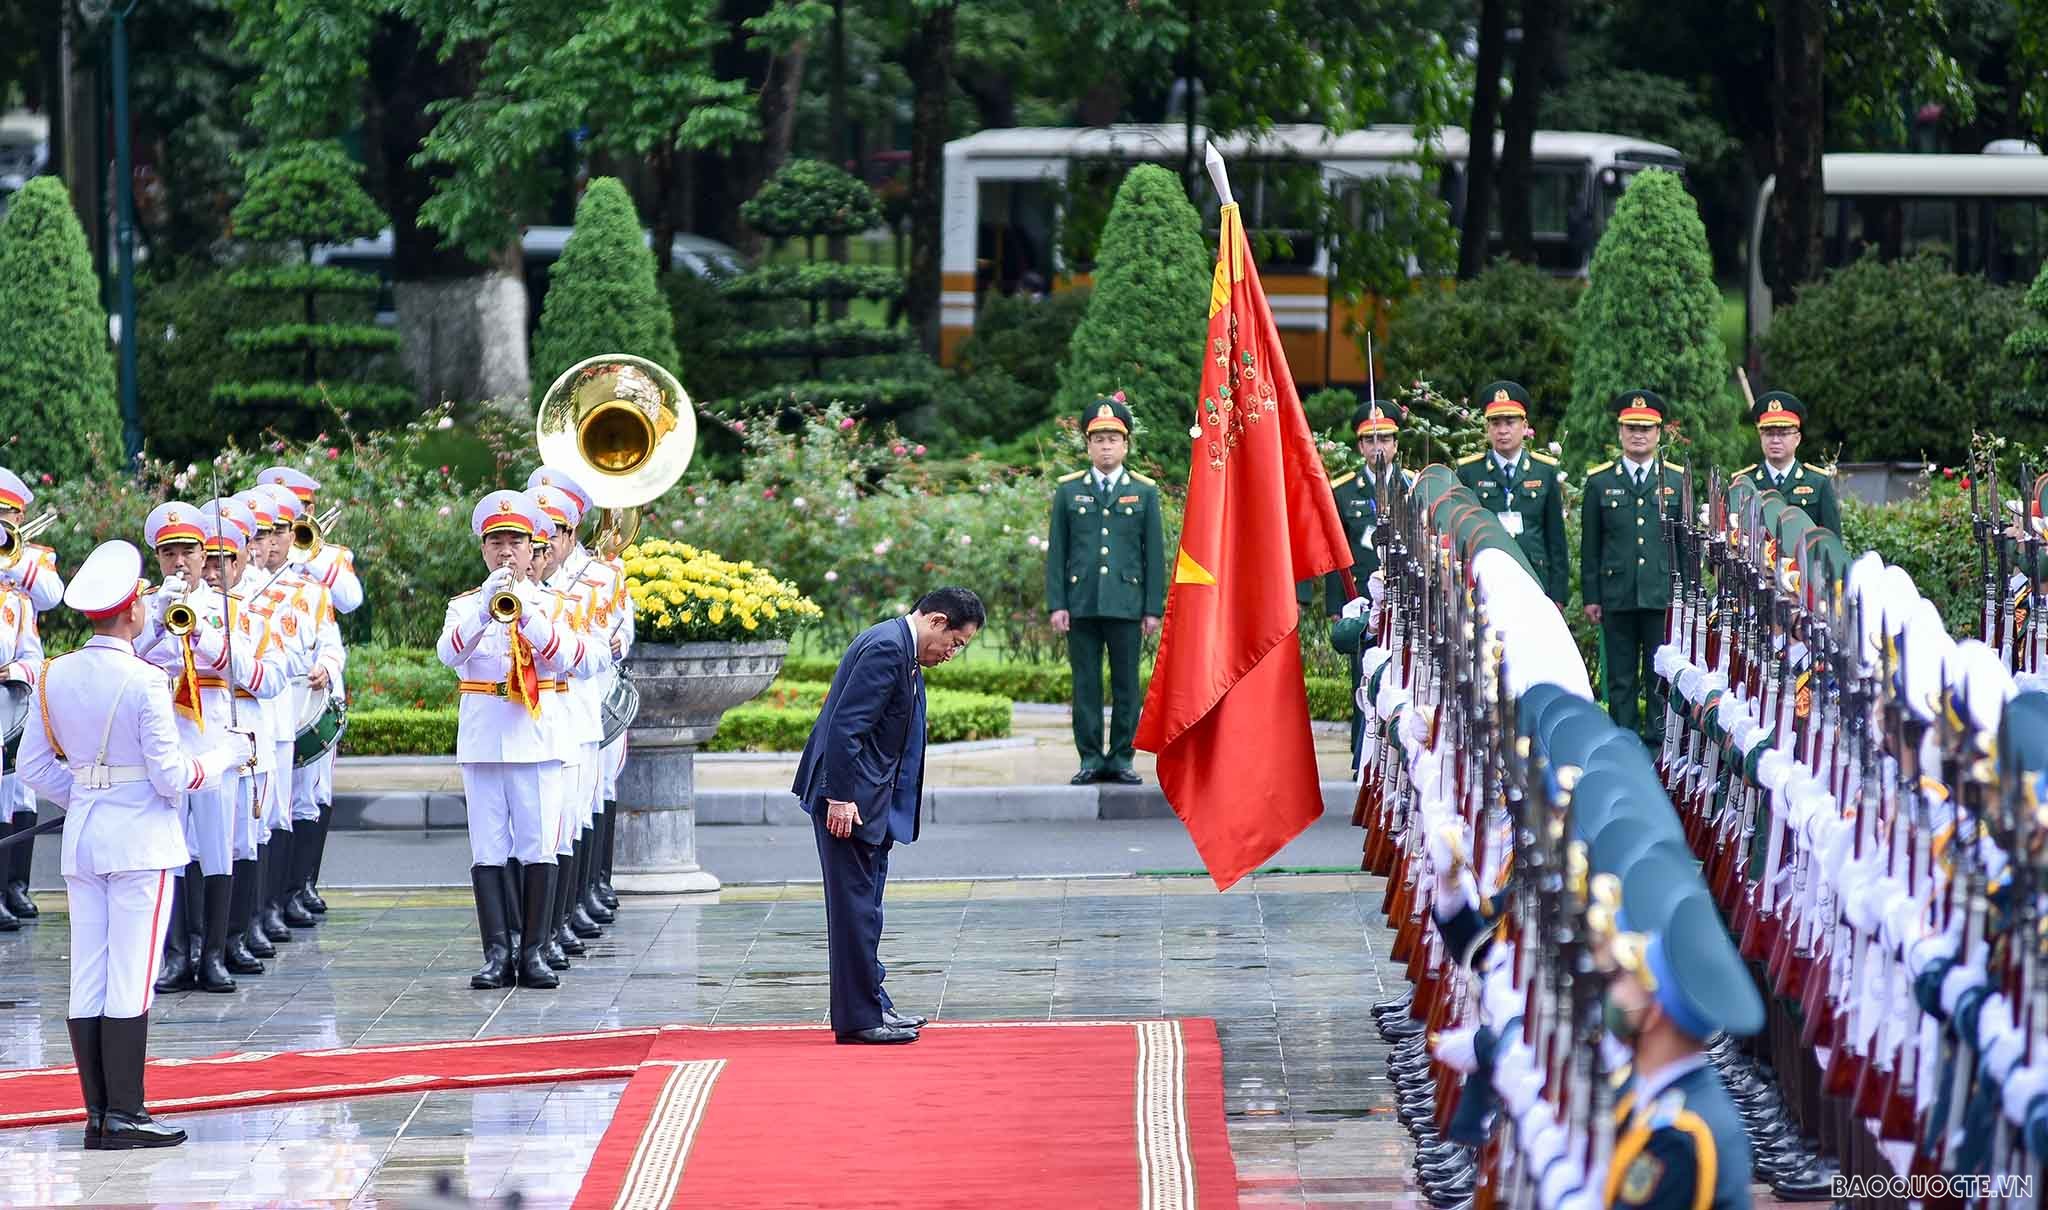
{"points": [[1023, 207], [1986, 214]]}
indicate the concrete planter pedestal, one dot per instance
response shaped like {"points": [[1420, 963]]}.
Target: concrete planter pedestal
{"points": [[685, 688]]}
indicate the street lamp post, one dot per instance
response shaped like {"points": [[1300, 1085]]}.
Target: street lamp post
{"points": [[124, 216]]}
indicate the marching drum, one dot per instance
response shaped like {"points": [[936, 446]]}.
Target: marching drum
{"points": [[321, 725], [621, 703]]}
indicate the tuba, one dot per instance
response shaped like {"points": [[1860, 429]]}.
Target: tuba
{"points": [[626, 429]]}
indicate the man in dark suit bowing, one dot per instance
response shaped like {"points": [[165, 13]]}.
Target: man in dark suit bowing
{"points": [[861, 781]]}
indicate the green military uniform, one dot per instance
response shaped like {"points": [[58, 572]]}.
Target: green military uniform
{"points": [[1358, 507], [1528, 491], [1105, 564], [1625, 569], [1803, 484]]}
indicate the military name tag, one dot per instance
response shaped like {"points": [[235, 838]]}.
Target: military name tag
{"points": [[1512, 522], [1083, 498], [1802, 490], [1532, 484], [1126, 499]]}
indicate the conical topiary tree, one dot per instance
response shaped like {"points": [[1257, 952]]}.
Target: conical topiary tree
{"points": [[1148, 315], [56, 371], [602, 296], [868, 368], [1649, 318], [301, 196], [2028, 345]]}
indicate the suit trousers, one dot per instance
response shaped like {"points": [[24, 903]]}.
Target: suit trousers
{"points": [[1628, 648], [118, 923], [855, 874], [1087, 640], [508, 813]]}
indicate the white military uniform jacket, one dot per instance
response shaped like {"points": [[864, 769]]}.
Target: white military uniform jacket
{"points": [[105, 748], [38, 579], [21, 644], [302, 622], [587, 681], [256, 666], [492, 728], [334, 569]]}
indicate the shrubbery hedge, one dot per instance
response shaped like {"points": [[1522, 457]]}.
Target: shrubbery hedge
{"points": [[1329, 698], [758, 727], [400, 732]]}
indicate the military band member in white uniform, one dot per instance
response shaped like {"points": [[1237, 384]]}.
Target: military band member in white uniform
{"points": [[252, 831], [195, 942], [105, 747], [612, 620], [34, 575], [21, 662], [506, 670], [578, 694], [333, 567]]}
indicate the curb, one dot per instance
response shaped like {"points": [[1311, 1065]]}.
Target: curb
{"points": [[413, 810]]}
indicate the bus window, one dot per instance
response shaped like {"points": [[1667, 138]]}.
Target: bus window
{"points": [[1013, 238], [1928, 225], [1278, 199], [2014, 236], [1558, 217]]}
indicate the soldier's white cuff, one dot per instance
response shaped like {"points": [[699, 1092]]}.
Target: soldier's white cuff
{"points": [[2021, 1087], [1959, 979]]}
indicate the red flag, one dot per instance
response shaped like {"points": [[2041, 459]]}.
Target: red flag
{"points": [[1228, 711]]}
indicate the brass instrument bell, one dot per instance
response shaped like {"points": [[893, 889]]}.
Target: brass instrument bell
{"points": [[308, 534], [505, 606], [625, 428], [14, 538]]}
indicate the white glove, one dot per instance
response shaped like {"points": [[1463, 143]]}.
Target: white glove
{"points": [[242, 746], [1356, 607], [1376, 587], [1454, 1049]]}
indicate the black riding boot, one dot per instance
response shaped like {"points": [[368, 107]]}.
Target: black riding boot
{"points": [[213, 967], [253, 932], [291, 905], [177, 974], [241, 957], [277, 868], [604, 876], [515, 915], [20, 857], [309, 894], [488, 884], [563, 943], [592, 851], [536, 895], [124, 1043], [92, 1077], [580, 922]]}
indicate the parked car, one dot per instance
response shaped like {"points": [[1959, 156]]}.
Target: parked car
{"points": [[542, 247], [24, 151]]}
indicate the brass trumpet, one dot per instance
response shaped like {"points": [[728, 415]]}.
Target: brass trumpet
{"points": [[179, 616], [505, 606], [308, 534], [14, 538]]}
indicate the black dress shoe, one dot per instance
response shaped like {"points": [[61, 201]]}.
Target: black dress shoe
{"points": [[1123, 777], [903, 1021], [880, 1035], [126, 1132], [1086, 777]]}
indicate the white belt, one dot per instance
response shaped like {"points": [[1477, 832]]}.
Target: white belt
{"points": [[101, 777]]}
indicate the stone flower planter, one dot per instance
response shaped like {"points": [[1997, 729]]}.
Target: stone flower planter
{"points": [[685, 688]]}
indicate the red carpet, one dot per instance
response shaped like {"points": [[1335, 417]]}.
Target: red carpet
{"points": [[1080, 1114]]}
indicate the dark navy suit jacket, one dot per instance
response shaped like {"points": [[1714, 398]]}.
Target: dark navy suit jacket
{"points": [[867, 746]]}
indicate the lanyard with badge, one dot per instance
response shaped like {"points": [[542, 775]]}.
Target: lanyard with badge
{"points": [[1510, 519]]}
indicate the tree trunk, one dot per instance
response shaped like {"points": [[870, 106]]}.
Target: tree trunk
{"points": [[665, 161], [464, 323], [1479, 186], [838, 131], [720, 180], [1798, 113], [994, 94], [1536, 69], [931, 59]]}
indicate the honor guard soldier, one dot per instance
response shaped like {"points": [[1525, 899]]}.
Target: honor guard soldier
{"points": [[21, 662], [601, 584], [333, 567], [1105, 586], [31, 572], [1679, 1142], [498, 640], [1780, 420], [105, 747], [1625, 561], [1377, 426], [1521, 487]]}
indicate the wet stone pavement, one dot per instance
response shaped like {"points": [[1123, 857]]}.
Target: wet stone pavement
{"points": [[1287, 965]]}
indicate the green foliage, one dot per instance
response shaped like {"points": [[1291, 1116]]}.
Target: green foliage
{"points": [[182, 354], [832, 338], [1644, 105], [1931, 538], [1007, 371], [807, 198], [2028, 343], [401, 732], [1512, 321], [1329, 698], [1650, 318], [863, 396], [382, 677], [1398, 222], [297, 279], [317, 399], [327, 338], [816, 279], [307, 193], [57, 401], [1901, 361], [602, 296], [1330, 411], [950, 717], [1144, 330]]}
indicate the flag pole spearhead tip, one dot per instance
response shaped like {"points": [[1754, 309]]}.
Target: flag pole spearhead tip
{"points": [[1213, 161]]}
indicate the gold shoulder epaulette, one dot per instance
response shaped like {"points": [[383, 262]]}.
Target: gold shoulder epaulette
{"points": [[1142, 479], [1594, 470], [152, 590], [472, 592], [1745, 470], [1069, 478], [1471, 458], [1819, 470], [1544, 458], [1344, 478], [1673, 467]]}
